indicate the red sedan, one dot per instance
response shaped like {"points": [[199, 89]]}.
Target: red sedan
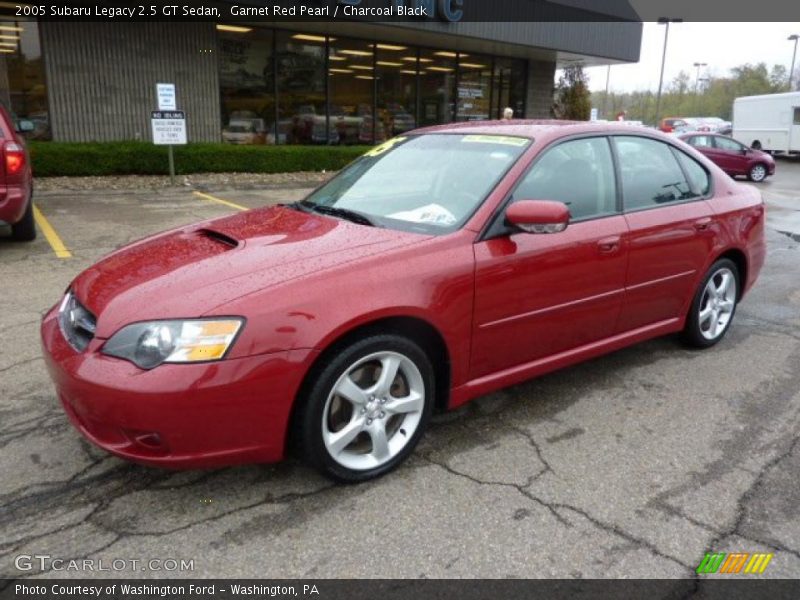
{"points": [[731, 156], [438, 267]]}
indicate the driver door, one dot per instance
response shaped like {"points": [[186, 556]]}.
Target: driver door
{"points": [[537, 295]]}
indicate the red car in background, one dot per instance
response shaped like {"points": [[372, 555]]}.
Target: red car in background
{"points": [[438, 267], [731, 156], [16, 179]]}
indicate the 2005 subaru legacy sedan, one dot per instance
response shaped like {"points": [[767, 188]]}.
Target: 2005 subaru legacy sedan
{"points": [[442, 265]]}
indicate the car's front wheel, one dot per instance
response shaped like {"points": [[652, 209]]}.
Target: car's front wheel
{"points": [[367, 408], [713, 306], [758, 173]]}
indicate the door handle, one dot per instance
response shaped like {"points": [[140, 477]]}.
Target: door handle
{"points": [[703, 224], [609, 245]]}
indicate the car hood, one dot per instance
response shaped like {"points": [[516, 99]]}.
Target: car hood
{"points": [[191, 271]]}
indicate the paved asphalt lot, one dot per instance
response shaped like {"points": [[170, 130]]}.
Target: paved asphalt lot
{"points": [[632, 465]]}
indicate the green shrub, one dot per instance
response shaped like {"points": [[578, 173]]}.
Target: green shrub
{"points": [[52, 159]]}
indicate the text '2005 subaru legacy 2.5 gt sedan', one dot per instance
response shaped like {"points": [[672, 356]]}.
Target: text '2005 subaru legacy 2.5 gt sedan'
{"points": [[440, 266]]}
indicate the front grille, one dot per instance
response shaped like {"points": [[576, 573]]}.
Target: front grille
{"points": [[77, 323]]}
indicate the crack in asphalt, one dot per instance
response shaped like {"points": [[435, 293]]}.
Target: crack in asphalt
{"points": [[20, 363], [554, 507], [735, 529]]}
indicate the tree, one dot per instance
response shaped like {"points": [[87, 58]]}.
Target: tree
{"points": [[572, 98]]}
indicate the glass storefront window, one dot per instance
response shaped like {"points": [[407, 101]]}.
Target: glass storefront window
{"points": [[276, 89], [22, 79], [396, 70], [474, 88], [437, 86], [300, 64], [509, 87], [351, 77], [247, 85]]}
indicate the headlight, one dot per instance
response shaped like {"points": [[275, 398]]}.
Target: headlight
{"points": [[148, 345]]}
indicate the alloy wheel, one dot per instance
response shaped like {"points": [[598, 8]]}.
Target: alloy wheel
{"points": [[758, 173], [717, 303], [373, 410]]}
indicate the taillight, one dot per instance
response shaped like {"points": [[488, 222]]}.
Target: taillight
{"points": [[15, 158]]}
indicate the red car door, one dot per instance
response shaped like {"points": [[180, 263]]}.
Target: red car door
{"points": [[540, 294], [732, 156], [671, 228]]}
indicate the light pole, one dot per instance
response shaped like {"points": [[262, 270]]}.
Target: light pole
{"points": [[697, 65], [794, 37], [663, 21], [605, 98]]}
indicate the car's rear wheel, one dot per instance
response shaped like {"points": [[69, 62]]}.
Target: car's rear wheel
{"points": [[713, 306], [25, 230], [367, 409], [758, 173]]}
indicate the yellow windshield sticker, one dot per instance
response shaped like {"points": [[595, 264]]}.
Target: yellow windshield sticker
{"points": [[495, 139], [378, 150]]}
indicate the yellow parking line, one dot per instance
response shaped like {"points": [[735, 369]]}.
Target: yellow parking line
{"points": [[50, 235], [220, 201]]}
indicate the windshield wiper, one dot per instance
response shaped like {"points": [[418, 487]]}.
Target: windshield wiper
{"points": [[342, 213]]}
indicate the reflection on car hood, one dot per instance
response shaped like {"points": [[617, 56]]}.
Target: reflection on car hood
{"points": [[191, 271]]}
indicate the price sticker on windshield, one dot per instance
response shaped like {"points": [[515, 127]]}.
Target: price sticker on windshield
{"points": [[496, 139], [385, 147]]}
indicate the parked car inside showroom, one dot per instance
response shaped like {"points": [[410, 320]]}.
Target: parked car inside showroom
{"points": [[734, 158], [335, 326], [16, 178]]}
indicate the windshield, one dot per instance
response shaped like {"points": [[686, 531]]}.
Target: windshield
{"points": [[428, 183]]}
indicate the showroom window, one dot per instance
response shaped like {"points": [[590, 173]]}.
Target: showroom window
{"points": [[300, 64], [508, 87], [474, 87], [437, 81], [23, 89], [247, 85], [287, 87], [351, 77], [396, 72]]}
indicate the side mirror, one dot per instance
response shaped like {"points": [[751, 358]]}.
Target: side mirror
{"points": [[538, 216], [25, 126]]}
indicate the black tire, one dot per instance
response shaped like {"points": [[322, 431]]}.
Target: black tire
{"points": [[694, 334], [313, 403], [25, 230], [756, 145], [758, 173]]}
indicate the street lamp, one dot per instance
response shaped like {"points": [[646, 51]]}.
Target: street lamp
{"points": [[605, 98], [697, 65], [794, 37], [663, 21]]}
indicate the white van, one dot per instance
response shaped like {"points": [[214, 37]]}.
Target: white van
{"points": [[770, 122]]}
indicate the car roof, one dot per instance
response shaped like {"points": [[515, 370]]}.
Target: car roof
{"points": [[538, 129]]}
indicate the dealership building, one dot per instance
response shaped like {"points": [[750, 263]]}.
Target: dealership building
{"points": [[342, 82]]}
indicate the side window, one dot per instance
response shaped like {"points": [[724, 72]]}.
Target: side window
{"points": [[579, 173], [698, 176], [651, 175], [701, 141], [730, 145], [797, 116]]}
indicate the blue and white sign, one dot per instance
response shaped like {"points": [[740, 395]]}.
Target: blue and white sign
{"points": [[166, 96]]}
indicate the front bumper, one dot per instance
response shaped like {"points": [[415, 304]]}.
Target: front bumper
{"points": [[176, 416]]}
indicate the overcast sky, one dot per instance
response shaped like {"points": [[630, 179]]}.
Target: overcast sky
{"points": [[721, 45]]}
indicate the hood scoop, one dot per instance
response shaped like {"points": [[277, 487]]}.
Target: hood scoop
{"points": [[217, 236]]}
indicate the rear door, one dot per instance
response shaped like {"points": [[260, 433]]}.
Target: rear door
{"points": [[540, 294], [671, 228], [732, 155]]}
